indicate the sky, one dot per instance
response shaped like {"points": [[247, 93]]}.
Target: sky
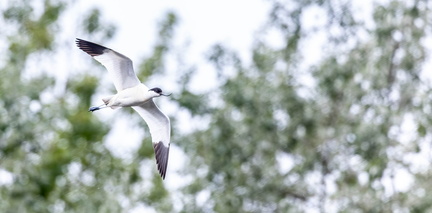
{"points": [[201, 23]]}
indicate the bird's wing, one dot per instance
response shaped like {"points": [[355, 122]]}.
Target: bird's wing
{"points": [[119, 66], [159, 125]]}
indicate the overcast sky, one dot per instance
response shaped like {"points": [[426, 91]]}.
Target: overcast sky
{"points": [[202, 22]]}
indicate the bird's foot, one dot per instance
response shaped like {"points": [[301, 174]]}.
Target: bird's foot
{"points": [[92, 109]]}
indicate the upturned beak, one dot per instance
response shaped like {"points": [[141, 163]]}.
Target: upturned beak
{"points": [[161, 93]]}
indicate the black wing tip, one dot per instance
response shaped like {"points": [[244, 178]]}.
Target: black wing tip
{"points": [[161, 154], [90, 48]]}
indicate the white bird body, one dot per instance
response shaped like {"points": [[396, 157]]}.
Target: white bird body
{"points": [[132, 93], [133, 96]]}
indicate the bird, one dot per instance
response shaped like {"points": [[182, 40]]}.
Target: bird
{"points": [[132, 93]]}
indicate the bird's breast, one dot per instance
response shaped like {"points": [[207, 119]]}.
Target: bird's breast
{"points": [[133, 96]]}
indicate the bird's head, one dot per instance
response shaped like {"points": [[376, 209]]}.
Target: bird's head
{"points": [[157, 92]]}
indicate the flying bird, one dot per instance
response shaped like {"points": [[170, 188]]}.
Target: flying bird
{"points": [[132, 93]]}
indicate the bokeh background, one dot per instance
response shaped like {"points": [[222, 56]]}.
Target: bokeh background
{"points": [[276, 106]]}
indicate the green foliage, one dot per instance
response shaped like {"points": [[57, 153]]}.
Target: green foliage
{"points": [[38, 30], [155, 63], [196, 104], [341, 132], [94, 25], [276, 136], [240, 146], [50, 144]]}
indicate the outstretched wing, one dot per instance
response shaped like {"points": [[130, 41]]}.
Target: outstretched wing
{"points": [[119, 66], [159, 125]]}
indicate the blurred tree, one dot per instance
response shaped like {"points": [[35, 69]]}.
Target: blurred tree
{"points": [[279, 136], [339, 136], [49, 144]]}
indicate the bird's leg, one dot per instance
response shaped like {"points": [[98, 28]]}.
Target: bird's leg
{"points": [[92, 109]]}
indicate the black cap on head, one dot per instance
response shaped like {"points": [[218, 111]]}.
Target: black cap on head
{"points": [[157, 90]]}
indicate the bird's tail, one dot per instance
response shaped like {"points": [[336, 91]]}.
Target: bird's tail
{"points": [[107, 101]]}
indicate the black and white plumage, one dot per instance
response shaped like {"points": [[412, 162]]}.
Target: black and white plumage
{"points": [[132, 93]]}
